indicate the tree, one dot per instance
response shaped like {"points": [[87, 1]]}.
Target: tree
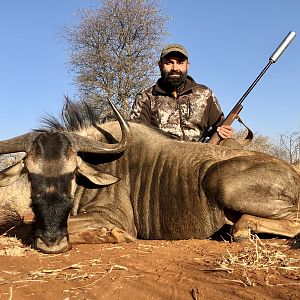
{"points": [[288, 147], [291, 144], [259, 143], [114, 50]]}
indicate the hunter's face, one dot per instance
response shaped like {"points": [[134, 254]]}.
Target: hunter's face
{"points": [[174, 68]]}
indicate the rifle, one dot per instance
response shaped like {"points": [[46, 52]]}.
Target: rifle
{"points": [[215, 138]]}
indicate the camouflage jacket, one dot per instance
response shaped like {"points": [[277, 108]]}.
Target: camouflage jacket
{"points": [[185, 115]]}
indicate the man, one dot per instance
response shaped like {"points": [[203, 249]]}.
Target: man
{"points": [[176, 103]]}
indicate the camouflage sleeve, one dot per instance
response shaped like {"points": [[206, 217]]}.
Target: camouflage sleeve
{"points": [[215, 114], [141, 109]]}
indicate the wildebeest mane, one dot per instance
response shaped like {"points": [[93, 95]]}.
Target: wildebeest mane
{"points": [[79, 115], [74, 116]]}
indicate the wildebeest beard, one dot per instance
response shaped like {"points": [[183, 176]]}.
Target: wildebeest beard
{"points": [[172, 83]]}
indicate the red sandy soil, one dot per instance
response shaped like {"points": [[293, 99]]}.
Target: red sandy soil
{"points": [[192, 269]]}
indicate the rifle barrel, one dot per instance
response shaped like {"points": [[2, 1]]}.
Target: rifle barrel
{"points": [[288, 39], [273, 58], [254, 82]]}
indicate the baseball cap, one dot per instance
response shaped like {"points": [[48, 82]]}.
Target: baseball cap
{"points": [[173, 48]]}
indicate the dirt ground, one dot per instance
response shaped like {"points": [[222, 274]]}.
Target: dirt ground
{"points": [[259, 268]]}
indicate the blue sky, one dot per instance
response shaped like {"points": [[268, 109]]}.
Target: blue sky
{"points": [[229, 43]]}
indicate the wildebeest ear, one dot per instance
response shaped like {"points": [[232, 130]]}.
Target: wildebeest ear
{"points": [[95, 175], [11, 174]]}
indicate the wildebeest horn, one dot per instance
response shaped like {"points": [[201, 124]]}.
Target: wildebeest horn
{"points": [[20, 143], [83, 144]]}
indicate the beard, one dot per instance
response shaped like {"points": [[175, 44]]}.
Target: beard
{"points": [[173, 82]]}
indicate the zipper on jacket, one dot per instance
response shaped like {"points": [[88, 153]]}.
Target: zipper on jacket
{"points": [[175, 96]]}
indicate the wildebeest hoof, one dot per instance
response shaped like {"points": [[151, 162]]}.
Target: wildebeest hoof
{"points": [[115, 235], [121, 236]]}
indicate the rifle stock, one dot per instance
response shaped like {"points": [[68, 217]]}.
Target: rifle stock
{"points": [[215, 138]]}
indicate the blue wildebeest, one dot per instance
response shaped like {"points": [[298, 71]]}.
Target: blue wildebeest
{"points": [[119, 182]]}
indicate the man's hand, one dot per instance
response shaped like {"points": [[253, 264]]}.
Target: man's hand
{"points": [[225, 131]]}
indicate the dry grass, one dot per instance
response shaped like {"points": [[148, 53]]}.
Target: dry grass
{"points": [[93, 269], [11, 246], [271, 258]]}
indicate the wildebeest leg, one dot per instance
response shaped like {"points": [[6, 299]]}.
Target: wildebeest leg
{"points": [[255, 224], [87, 229], [263, 191]]}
